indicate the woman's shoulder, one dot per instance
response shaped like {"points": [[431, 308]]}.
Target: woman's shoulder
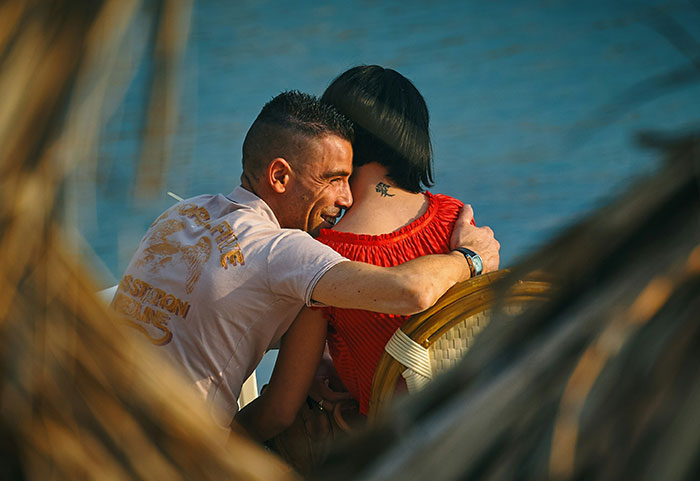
{"points": [[444, 200], [442, 210]]}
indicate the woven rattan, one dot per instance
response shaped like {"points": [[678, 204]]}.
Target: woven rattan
{"points": [[450, 327]]}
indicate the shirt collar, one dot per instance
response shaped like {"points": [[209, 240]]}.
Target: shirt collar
{"points": [[242, 196]]}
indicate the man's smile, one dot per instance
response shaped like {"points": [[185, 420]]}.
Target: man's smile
{"points": [[331, 219]]}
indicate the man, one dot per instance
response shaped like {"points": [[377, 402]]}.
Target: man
{"points": [[218, 279]]}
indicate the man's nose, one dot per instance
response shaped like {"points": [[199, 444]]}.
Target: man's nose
{"points": [[345, 197]]}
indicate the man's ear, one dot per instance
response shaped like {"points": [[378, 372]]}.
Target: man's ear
{"points": [[278, 175]]}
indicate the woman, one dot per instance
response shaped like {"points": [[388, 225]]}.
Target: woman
{"points": [[391, 221]]}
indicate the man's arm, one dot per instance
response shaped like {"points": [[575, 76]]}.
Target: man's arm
{"points": [[413, 286], [299, 356]]}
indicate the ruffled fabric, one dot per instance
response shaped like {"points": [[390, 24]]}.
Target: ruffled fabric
{"points": [[356, 338]]}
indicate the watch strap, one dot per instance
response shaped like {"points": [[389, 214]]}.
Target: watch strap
{"points": [[473, 260]]}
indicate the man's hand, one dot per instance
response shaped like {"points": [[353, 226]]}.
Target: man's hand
{"points": [[324, 395], [327, 388], [478, 239]]}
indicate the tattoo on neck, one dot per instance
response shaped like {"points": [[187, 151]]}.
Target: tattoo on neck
{"points": [[383, 189]]}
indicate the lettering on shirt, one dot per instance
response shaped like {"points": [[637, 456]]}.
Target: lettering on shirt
{"points": [[146, 305], [148, 308], [225, 238]]}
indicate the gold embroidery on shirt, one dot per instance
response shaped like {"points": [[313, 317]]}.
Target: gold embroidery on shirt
{"points": [[195, 257], [145, 315], [160, 218], [160, 251], [145, 305], [223, 234], [199, 215], [148, 294], [235, 256], [227, 242]]}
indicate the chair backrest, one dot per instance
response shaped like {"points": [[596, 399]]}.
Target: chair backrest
{"points": [[436, 339]]}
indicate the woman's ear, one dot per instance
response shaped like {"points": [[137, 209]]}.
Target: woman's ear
{"points": [[278, 175]]}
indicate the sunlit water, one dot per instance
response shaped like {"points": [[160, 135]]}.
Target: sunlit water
{"points": [[524, 97]]}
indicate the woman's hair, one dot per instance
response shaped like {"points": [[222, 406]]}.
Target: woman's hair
{"points": [[391, 123]]}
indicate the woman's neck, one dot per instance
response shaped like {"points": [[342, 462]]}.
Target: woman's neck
{"points": [[379, 206], [370, 181]]}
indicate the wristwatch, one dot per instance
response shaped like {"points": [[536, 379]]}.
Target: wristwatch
{"points": [[476, 266]]}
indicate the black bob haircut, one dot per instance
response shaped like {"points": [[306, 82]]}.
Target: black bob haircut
{"points": [[287, 115], [391, 123]]}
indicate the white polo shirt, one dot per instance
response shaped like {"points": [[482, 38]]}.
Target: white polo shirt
{"points": [[214, 283]]}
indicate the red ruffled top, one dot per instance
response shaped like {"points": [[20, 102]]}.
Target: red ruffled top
{"points": [[356, 338]]}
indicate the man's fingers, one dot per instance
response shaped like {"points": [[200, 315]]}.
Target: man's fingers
{"points": [[478, 239], [324, 396], [329, 394], [467, 213], [331, 398], [491, 255], [463, 227]]}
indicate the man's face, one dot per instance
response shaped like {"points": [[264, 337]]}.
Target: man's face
{"points": [[320, 191]]}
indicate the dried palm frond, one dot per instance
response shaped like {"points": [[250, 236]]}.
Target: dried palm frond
{"points": [[601, 382], [80, 398]]}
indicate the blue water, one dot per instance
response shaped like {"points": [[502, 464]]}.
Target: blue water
{"points": [[524, 96]]}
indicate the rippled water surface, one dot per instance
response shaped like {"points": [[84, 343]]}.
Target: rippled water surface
{"points": [[534, 104]]}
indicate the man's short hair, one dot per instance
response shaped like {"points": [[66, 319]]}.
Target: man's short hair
{"points": [[276, 130]]}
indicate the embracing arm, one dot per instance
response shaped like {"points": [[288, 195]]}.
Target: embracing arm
{"points": [[299, 355], [404, 289], [413, 286]]}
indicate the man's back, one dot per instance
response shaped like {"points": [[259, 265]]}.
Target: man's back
{"points": [[215, 282]]}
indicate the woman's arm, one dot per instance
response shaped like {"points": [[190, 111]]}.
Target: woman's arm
{"points": [[298, 359]]}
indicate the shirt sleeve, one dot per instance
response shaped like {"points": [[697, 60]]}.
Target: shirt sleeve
{"points": [[296, 262]]}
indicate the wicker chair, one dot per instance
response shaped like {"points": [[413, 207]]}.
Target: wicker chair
{"points": [[436, 339]]}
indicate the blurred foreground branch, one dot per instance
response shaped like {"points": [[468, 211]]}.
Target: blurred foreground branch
{"points": [[80, 399], [602, 382]]}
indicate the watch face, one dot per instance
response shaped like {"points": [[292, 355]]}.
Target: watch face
{"points": [[478, 265]]}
